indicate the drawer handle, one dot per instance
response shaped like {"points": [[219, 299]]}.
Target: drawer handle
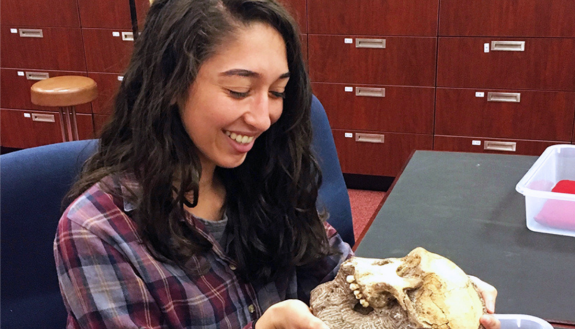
{"points": [[128, 36], [369, 43], [369, 138], [500, 146], [37, 75], [507, 45], [504, 97], [369, 92], [31, 33], [43, 117]]}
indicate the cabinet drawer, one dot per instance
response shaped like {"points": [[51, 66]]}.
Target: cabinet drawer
{"points": [[482, 145], [111, 13], [533, 18], [85, 126], [536, 115], [15, 88], [45, 13], [108, 84], [369, 17], [108, 50], [377, 60], [297, 9], [378, 108], [24, 129], [99, 122], [50, 48], [545, 64], [384, 158]]}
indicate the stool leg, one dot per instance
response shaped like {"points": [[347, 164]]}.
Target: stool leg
{"points": [[64, 124], [71, 126]]}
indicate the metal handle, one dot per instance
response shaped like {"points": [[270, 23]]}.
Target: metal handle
{"points": [[37, 75], [369, 43], [127, 36], [31, 33], [369, 138], [500, 146], [369, 92], [43, 117], [507, 45], [504, 97]]}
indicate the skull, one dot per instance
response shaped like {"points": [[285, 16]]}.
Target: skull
{"points": [[420, 290]]}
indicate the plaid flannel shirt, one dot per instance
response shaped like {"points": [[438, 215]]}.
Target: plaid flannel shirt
{"points": [[108, 279]]}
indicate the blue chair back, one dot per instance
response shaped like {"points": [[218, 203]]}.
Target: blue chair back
{"points": [[33, 184], [333, 192]]}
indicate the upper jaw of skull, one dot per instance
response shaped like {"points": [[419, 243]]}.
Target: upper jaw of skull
{"points": [[382, 282]]}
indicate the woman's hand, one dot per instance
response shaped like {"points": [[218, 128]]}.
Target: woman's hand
{"points": [[489, 294], [291, 314]]}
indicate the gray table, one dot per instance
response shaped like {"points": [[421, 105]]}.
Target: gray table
{"points": [[464, 206]]}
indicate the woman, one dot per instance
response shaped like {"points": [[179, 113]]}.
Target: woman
{"points": [[198, 210]]}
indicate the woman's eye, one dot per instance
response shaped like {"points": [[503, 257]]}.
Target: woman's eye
{"points": [[237, 94], [277, 94]]}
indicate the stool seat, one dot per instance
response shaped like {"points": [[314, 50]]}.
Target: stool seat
{"points": [[64, 91]]}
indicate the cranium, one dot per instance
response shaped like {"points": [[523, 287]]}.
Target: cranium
{"points": [[420, 290]]}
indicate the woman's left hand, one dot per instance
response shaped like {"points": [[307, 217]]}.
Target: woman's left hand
{"points": [[489, 294]]}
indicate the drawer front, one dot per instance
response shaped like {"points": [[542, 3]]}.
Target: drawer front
{"points": [[51, 48], [377, 154], [378, 108], [85, 126], [108, 50], [15, 91], [545, 64], [369, 17], [533, 18], [24, 129], [535, 115], [108, 84], [99, 122], [375, 60], [111, 13], [481, 145], [45, 13], [298, 10]]}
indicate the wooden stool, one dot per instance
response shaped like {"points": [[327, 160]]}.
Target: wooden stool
{"points": [[65, 92]]}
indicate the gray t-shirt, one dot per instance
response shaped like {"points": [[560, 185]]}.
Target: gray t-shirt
{"points": [[216, 228]]}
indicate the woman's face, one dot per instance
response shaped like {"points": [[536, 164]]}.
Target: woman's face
{"points": [[237, 95]]}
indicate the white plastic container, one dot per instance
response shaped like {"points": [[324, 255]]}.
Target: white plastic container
{"points": [[516, 321], [546, 211]]}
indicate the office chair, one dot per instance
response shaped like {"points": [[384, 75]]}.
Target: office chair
{"points": [[33, 184]]}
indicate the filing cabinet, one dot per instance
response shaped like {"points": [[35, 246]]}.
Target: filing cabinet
{"points": [[42, 39], [373, 66], [505, 75]]}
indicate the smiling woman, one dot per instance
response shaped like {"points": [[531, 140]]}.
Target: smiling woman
{"points": [[199, 208]]}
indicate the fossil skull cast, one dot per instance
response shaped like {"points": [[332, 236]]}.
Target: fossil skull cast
{"points": [[420, 290]]}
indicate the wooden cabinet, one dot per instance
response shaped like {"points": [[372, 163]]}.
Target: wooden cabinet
{"points": [[373, 60], [45, 13], [373, 17], [15, 88], [111, 13], [377, 154], [298, 10], [23, 129], [48, 48], [108, 84], [520, 63], [529, 18], [378, 107], [519, 114], [108, 50], [486, 145]]}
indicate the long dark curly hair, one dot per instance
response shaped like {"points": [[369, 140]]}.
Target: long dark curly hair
{"points": [[270, 198]]}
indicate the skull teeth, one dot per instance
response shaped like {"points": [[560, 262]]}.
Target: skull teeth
{"points": [[364, 303], [354, 286], [350, 279]]}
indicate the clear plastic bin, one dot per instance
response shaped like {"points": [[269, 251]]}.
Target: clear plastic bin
{"points": [[516, 321], [547, 211]]}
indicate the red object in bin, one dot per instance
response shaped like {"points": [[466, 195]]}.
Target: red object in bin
{"points": [[559, 213]]}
